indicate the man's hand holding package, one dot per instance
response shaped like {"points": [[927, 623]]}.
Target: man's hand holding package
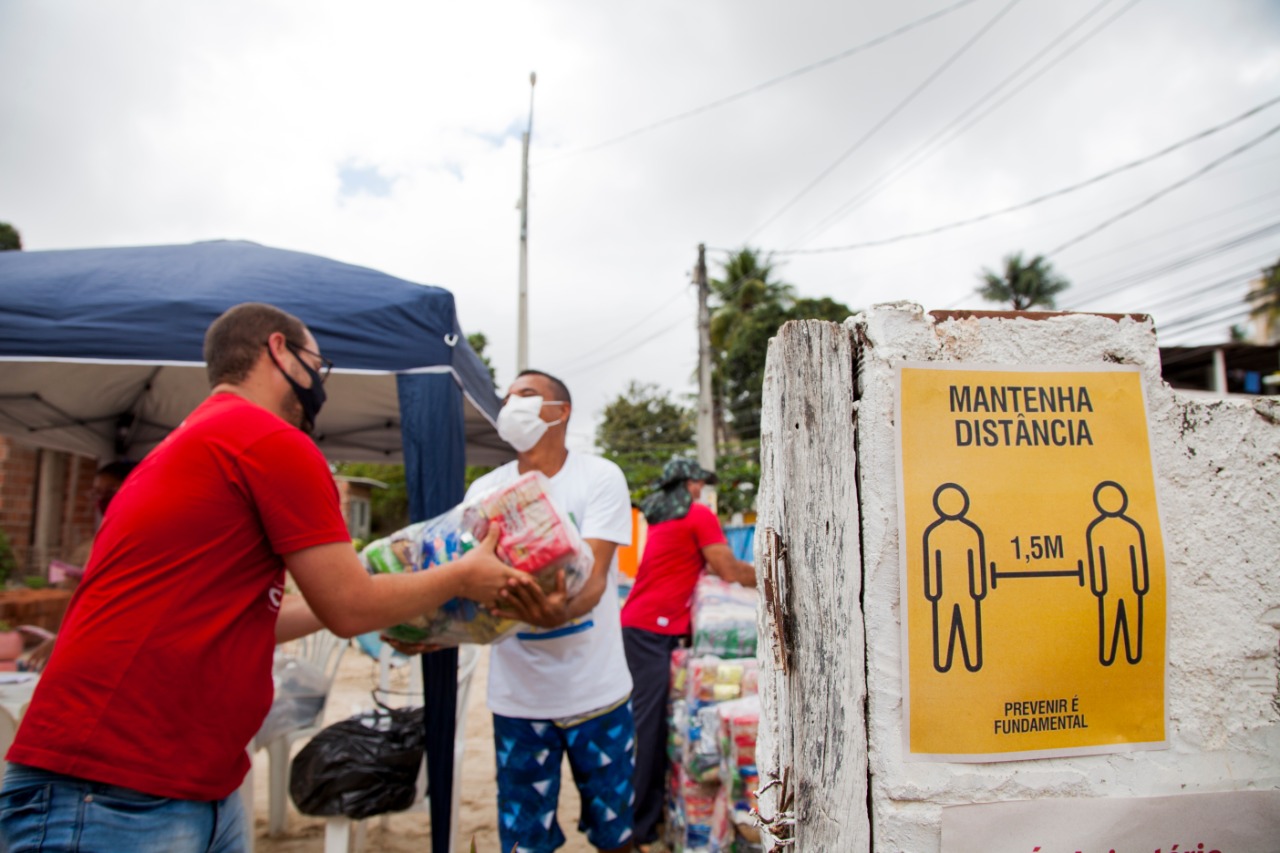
{"points": [[550, 610], [348, 601], [529, 604], [484, 577]]}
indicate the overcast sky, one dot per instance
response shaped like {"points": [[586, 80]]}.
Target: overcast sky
{"points": [[387, 134]]}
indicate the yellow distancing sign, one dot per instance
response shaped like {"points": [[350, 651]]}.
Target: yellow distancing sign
{"points": [[1033, 571]]}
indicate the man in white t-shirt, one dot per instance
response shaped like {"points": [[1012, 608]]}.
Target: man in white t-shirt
{"points": [[562, 685]]}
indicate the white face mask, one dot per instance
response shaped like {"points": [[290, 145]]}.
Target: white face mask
{"points": [[520, 424]]}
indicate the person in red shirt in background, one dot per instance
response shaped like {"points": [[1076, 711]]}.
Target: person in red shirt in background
{"points": [[135, 737], [684, 536]]}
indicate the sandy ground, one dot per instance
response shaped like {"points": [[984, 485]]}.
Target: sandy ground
{"points": [[410, 832]]}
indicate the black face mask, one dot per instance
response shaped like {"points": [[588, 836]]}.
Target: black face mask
{"points": [[311, 399]]}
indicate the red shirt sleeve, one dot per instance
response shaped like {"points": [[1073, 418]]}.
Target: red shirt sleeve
{"points": [[706, 527]]}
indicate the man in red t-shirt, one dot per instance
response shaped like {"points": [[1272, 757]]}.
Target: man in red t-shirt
{"points": [[135, 738], [683, 536]]}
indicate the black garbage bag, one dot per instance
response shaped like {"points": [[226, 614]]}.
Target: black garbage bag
{"points": [[363, 766]]}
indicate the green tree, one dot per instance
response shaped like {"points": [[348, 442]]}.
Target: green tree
{"points": [[8, 561], [478, 342], [1022, 285], [749, 305], [738, 470], [10, 239], [641, 429], [389, 507], [1264, 295]]}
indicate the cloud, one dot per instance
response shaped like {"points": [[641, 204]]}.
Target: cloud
{"points": [[514, 131], [363, 180], [388, 135]]}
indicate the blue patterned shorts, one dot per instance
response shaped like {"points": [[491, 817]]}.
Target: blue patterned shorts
{"points": [[601, 754]]}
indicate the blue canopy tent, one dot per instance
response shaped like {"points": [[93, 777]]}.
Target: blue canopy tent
{"points": [[101, 354]]}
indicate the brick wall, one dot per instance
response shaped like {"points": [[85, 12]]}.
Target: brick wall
{"points": [[81, 518], [19, 470], [17, 495]]}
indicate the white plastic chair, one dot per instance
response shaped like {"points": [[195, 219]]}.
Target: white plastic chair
{"points": [[324, 650], [8, 728], [338, 830]]}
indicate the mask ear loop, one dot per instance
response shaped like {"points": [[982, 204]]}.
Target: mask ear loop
{"points": [[554, 403]]}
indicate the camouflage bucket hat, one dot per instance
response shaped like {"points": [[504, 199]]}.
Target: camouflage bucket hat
{"points": [[680, 469], [672, 500]]}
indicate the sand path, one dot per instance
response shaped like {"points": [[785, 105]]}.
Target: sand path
{"points": [[409, 832]]}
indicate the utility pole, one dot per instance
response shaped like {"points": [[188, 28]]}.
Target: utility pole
{"points": [[522, 321], [706, 425]]}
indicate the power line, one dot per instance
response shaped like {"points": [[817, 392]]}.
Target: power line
{"points": [[1227, 318], [1180, 293], [1187, 224], [923, 152], [1164, 192], [729, 291], [728, 99], [601, 362], [889, 116], [1184, 261], [1190, 296], [1163, 268], [1231, 303], [1196, 289], [1078, 300], [966, 295], [633, 326], [1062, 191]]}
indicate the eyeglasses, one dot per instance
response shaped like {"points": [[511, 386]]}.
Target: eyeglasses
{"points": [[325, 364]]}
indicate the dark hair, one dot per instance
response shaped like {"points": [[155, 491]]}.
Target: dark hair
{"points": [[117, 470], [562, 390], [234, 341]]}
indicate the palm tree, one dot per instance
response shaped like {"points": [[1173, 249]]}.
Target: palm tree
{"points": [[747, 306], [1264, 296], [745, 286], [1023, 286]]}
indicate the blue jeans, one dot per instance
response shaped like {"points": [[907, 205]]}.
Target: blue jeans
{"points": [[44, 811]]}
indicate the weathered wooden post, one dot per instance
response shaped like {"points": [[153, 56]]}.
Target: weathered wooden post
{"points": [[812, 755], [954, 655]]}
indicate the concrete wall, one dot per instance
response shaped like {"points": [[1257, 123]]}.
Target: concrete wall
{"points": [[1217, 467]]}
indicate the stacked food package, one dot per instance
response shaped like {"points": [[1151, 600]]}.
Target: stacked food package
{"points": [[535, 536], [715, 714]]}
